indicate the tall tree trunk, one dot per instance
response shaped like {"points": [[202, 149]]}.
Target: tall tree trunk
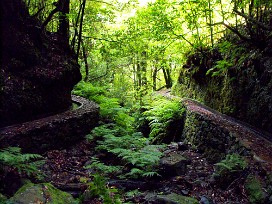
{"points": [[63, 29], [80, 28], [85, 62]]}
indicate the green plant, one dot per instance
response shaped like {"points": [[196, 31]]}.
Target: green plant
{"points": [[254, 190], [131, 148], [232, 163], [102, 168], [23, 163], [161, 114], [229, 169], [110, 108], [220, 68], [98, 187]]}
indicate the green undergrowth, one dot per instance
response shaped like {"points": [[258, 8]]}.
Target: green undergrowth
{"points": [[165, 119], [130, 153], [229, 169], [13, 158], [254, 190], [98, 188]]}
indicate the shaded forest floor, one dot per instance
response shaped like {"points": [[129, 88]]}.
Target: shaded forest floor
{"points": [[65, 168]]}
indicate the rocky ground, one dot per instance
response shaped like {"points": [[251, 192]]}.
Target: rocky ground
{"points": [[186, 173]]}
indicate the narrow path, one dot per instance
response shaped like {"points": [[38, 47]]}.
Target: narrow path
{"points": [[252, 138]]}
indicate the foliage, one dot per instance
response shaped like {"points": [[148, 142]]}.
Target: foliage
{"points": [[229, 169], [98, 187], [220, 68], [232, 163], [161, 113], [102, 168], [110, 108], [132, 148], [23, 163], [254, 190]]}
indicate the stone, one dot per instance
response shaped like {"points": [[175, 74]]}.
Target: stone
{"points": [[173, 164], [172, 198], [38, 71], [41, 193]]}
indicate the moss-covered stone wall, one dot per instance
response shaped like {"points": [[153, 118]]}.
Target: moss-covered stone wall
{"points": [[242, 89]]}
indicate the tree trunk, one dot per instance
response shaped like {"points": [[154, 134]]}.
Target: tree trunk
{"points": [[63, 29]]}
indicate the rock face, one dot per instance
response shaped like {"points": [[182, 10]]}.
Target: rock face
{"points": [[242, 88], [38, 71]]}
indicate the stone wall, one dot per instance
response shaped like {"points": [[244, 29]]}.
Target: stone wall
{"points": [[243, 91], [53, 132]]}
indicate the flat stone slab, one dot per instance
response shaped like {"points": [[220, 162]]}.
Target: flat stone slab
{"points": [[52, 132]]}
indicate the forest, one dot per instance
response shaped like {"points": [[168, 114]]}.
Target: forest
{"points": [[136, 101]]}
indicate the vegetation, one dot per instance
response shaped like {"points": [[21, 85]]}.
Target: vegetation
{"points": [[229, 169], [28, 164], [137, 52], [99, 188], [117, 135], [129, 55], [254, 190]]}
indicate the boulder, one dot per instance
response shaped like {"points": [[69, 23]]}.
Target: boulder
{"points": [[41, 193], [173, 164]]}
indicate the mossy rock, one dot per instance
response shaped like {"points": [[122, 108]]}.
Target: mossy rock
{"points": [[174, 198], [254, 190], [41, 193]]}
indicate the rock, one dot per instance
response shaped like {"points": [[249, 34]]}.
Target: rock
{"points": [[173, 164], [41, 193], [205, 200], [172, 198], [206, 136], [38, 71], [182, 146]]}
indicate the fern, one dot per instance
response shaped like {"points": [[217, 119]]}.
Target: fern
{"points": [[220, 68], [160, 114], [102, 168], [231, 164], [110, 108], [24, 163], [130, 147], [99, 188]]}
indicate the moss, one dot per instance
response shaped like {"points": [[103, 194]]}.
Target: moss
{"points": [[43, 193], [254, 190], [176, 199]]}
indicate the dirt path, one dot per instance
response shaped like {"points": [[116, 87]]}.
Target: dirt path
{"points": [[255, 140]]}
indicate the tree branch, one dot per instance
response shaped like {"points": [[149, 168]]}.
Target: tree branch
{"points": [[108, 40], [48, 19], [261, 25], [242, 37]]}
